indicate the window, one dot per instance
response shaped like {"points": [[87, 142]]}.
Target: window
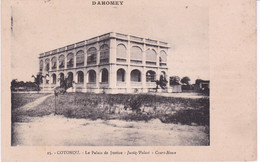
{"points": [[41, 65], [104, 75], [104, 54], [61, 61], [80, 58], [135, 76], [53, 63], [92, 56], [80, 77], [70, 79], [163, 58], [121, 75], [61, 79], [121, 53], [151, 57], [91, 76], [47, 64], [136, 53], [70, 60], [53, 78], [47, 78], [150, 76]]}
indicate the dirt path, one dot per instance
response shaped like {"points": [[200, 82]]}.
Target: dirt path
{"points": [[55, 130], [35, 103]]}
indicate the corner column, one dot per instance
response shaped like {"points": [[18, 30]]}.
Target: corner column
{"points": [[127, 75], [144, 69]]}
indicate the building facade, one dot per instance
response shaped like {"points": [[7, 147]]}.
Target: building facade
{"points": [[110, 63]]}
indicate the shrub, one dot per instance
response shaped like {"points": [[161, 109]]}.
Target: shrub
{"points": [[136, 103]]}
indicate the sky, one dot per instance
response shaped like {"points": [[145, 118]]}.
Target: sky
{"points": [[44, 25]]}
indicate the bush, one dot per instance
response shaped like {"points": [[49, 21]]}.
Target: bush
{"points": [[135, 104]]}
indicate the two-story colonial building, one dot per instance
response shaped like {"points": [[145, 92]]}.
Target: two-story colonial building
{"points": [[110, 63]]}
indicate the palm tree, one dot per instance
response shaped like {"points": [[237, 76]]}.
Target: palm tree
{"points": [[162, 83], [38, 80]]}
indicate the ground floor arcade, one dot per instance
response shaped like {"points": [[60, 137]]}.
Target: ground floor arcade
{"points": [[107, 79]]}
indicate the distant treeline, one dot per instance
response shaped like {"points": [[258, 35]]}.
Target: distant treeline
{"points": [[23, 86]]}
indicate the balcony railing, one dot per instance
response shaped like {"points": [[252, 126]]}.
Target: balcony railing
{"points": [[163, 64], [91, 85], [134, 38], [93, 40], [120, 83], [136, 61], [136, 84], [61, 66], [163, 43], [102, 37], [103, 61], [150, 41], [150, 63], [121, 35], [47, 53], [54, 51], [62, 49], [91, 62], [79, 44], [120, 60], [69, 65], [80, 64], [150, 84], [70, 46]]}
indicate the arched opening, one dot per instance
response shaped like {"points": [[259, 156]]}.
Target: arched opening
{"points": [[92, 56], [151, 57], [163, 73], [53, 78], [104, 75], [47, 79], [121, 53], [54, 63], [135, 76], [47, 64], [61, 79], [104, 53], [80, 58], [150, 76], [80, 77], [70, 79], [70, 60], [61, 61], [136, 55], [91, 76], [121, 75], [163, 58], [41, 65]]}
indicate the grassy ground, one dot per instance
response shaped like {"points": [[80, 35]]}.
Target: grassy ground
{"points": [[121, 106], [21, 99]]}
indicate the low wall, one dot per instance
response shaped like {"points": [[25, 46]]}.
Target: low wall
{"points": [[176, 88]]}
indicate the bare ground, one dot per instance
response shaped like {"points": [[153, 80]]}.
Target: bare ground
{"points": [[60, 131], [57, 130]]}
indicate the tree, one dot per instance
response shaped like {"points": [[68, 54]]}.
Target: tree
{"points": [[64, 85], [174, 80], [14, 84], [38, 80], [185, 80], [162, 83]]}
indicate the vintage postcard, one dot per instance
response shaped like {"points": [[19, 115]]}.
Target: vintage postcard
{"points": [[128, 80]]}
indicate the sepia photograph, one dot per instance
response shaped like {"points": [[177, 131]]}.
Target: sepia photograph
{"points": [[128, 80], [88, 75]]}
